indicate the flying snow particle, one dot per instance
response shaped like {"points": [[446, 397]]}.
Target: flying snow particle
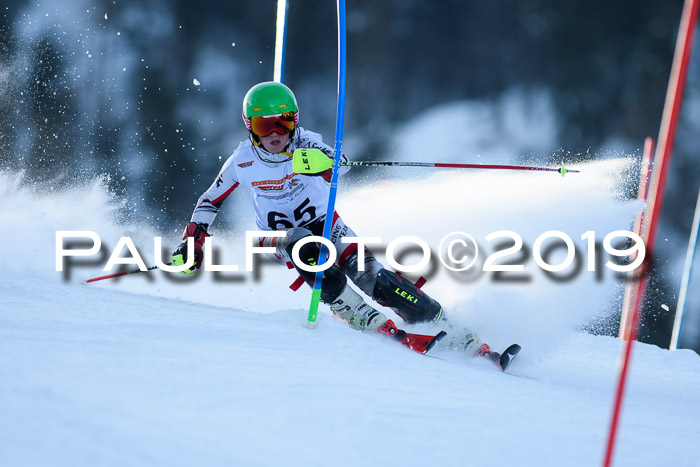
{"points": [[106, 16], [195, 82], [665, 307]]}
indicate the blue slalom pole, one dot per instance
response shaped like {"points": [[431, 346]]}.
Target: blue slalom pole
{"points": [[280, 40], [687, 273], [340, 120]]}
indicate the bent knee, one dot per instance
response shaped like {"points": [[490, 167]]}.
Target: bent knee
{"points": [[297, 233]]}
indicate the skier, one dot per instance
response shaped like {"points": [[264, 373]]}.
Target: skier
{"points": [[297, 203]]}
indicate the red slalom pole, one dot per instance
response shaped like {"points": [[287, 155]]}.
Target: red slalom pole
{"points": [[634, 280], [669, 120], [662, 158], [622, 380]]}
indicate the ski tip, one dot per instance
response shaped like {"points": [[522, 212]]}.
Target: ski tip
{"points": [[508, 355], [435, 340]]}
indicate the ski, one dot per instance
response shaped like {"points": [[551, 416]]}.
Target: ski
{"points": [[417, 342], [422, 344], [504, 359]]}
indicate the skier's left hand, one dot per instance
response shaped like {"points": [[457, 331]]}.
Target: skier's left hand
{"points": [[179, 257], [327, 175]]}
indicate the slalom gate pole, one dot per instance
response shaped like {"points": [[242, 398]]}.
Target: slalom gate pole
{"points": [[340, 117], [280, 40], [125, 273], [685, 281], [662, 159], [634, 280]]}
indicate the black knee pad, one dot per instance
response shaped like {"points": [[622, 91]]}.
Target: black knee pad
{"points": [[294, 235], [408, 301], [334, 280], [366, 279]]}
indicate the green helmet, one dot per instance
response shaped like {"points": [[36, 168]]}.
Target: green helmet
{"points": [[269, 98]]}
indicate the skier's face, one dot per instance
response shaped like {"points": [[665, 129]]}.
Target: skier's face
{"points": [[274, 142]]}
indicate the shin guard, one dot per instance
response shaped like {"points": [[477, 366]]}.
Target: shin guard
{"points": [[408, 301]]}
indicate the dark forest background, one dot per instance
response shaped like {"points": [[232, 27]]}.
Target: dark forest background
{"points": [[150, 91]]}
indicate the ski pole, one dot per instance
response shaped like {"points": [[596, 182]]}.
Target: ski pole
{"points": [[310, 161], [125, 273], [562, 170]]}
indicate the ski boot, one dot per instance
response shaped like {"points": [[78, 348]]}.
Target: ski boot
{"points": [[351, 308], [463, 340]]}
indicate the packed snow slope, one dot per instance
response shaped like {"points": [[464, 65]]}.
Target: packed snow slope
{"points": [[218, 369]]}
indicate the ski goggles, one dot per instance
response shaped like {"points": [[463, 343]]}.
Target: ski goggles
{"points": [[265, 126]]}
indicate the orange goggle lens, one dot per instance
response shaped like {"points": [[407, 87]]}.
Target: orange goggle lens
{"points": [[264, 126]]}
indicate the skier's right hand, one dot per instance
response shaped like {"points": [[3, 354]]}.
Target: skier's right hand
{"points": [[179, 257]]}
